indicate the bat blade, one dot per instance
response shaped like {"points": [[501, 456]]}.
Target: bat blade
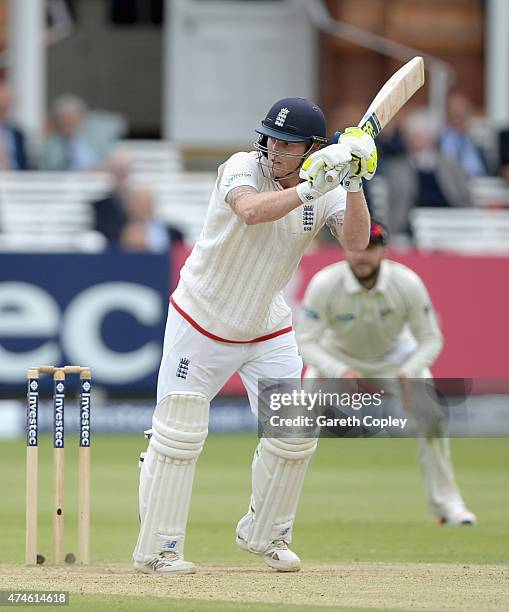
{"points": [[394, 94], [388, 101]]}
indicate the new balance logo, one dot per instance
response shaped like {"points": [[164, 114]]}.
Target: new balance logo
{"points": [[281, 117], [183, 368]]}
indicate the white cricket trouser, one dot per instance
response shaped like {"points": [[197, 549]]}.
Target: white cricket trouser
{"points": [[192, 362], [442, 492]]}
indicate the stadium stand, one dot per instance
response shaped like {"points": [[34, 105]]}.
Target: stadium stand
{"points": [[461, 230], [50, 211]]}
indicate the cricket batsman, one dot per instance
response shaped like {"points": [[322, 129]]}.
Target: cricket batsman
{"points": [[228, 315], [369, 317]]}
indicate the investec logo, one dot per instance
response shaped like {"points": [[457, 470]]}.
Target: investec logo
{"points": [[85, 415], [58, 434], [32, 413]]}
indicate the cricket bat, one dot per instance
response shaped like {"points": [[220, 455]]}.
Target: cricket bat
{"points": [[388, 101], [394, 94]]}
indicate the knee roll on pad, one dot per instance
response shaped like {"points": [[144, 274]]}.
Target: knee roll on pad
{"points": [[179, 430], [279, 469], [180, 426]]}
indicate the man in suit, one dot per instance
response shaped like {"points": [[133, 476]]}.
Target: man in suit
{"points": [[12, 140], [126, 217], [423, 176], [111, 210], [69, 146], [455, 141]]}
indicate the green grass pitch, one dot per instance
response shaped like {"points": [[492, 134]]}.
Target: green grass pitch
{"points": [[362, 502]]}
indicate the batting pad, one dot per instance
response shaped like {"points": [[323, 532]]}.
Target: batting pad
{"points": [[279, 469], [179, 430]]}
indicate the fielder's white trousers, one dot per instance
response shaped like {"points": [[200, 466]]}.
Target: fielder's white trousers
{"points": [[442, 492]]}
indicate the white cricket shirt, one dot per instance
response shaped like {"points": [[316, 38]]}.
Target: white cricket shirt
{"points": [[231, 284], [344, 325]]}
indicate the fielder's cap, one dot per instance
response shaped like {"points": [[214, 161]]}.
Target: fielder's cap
{"points": [[378, 233], [295, 120]]}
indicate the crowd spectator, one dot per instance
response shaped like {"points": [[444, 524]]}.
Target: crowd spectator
{"points": [[126, 217], [69, 147], [504, 154], [423, 176], [111, 211], [143, 232], [12, 140], [456, 143]]}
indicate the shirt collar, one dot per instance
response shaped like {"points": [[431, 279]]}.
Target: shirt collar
{"points": [[352, 285]]}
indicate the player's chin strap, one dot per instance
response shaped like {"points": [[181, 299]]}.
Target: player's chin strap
{"points": [[263, 153]]}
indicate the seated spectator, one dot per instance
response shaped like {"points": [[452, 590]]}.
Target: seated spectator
{"points": [[389, 144], [69, 147], [455, 143], [143, 232], [423, 176], [12, 140], [111, 211], [504, 154]]}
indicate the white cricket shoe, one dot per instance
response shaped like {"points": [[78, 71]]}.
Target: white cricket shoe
{"points": [[277, 555], [463, 516], [165, 563]]}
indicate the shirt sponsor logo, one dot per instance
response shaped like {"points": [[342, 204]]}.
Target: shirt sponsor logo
{"points": [[230, 179]]}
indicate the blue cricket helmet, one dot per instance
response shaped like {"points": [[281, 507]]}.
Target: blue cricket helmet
{"points": [[295, 120]]}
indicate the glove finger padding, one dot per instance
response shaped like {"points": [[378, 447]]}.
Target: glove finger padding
{"points": [[363, 151], [336, 155], [361, 167], [311, 167], [333, 156], [321, 183]]}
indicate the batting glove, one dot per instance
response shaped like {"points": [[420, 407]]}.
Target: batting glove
{"points": [[333, 157], [318, 181], [364, 157], [323, 172]]}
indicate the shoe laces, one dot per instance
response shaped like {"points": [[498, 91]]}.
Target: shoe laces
{"points": [[163, 560], [274, 547], [279, 544]]}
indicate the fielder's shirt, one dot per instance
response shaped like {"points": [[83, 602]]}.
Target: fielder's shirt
{"points": [[231, 285], [344, 325]]}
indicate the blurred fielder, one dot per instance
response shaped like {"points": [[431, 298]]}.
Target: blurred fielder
{"points": [[228, 315], [368, 317]]}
